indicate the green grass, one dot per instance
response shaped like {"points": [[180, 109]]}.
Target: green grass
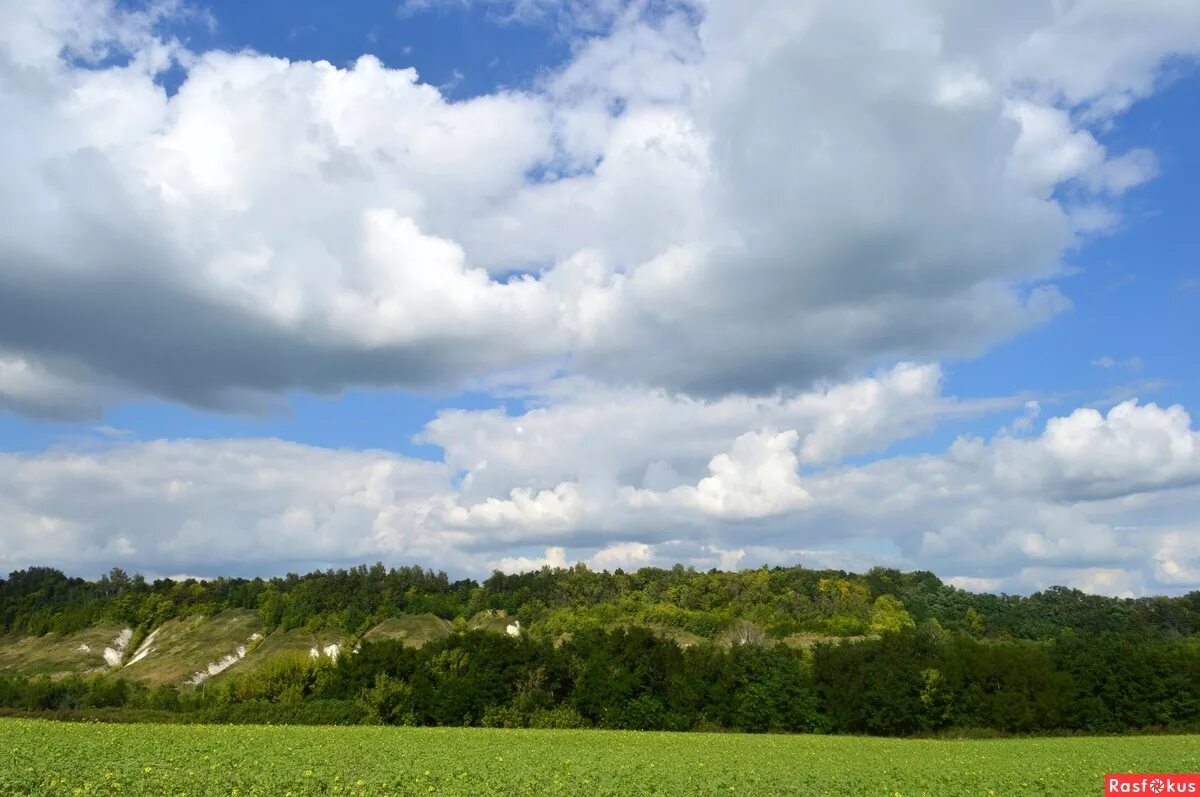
{"points": [[495, 620], [413, 630], [57, 654], [43, 757], [183, 647], [679, 636], [809, 640], [297, 640]]}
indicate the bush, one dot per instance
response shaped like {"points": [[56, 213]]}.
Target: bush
{"points": [[844, 625], [287, 677], [560, 717], [643, 713], [502, 717], [312, 712], [388, 702]]}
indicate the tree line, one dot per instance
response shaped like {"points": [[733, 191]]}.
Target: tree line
{"points": [[909, 681], [785, 649], [780, 601]]}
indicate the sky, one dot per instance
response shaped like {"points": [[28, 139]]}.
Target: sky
{"points": [[500, 284]]}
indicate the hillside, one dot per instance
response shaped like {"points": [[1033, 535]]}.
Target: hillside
{"points": [[192, 650], [782, 649], [57, 654], [184, 633]]}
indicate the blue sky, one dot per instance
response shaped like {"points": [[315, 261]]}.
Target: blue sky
{"points": [[618, 283], [471, 50]]}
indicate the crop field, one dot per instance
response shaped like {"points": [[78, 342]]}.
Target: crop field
{"points": [[44, 757]]}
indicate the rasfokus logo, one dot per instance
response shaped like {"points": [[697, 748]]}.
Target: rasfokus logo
{"points": [[1159, 783]]}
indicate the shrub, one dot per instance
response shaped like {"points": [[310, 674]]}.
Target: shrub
{"points": [[561, 717]]}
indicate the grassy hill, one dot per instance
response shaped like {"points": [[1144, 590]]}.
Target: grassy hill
{"points": [[178, 633], [190, 649], [496, 620], [280, 643], [198, 648], [414, 630], [59, 654]]}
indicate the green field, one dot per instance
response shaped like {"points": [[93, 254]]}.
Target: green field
{"points": [[44, 757]]}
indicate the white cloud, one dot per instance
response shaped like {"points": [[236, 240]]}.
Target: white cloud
{"points": [[756, 478], [708, 225], [554, 557], [1024, 424], [215, 506], [1086, 455], [587, 433], [1100, 54], [1074, 505], [625, 555], [736, 198], [1177, 558], [558, 509], [1096, 580], [1132, 363], [1106, 502]]}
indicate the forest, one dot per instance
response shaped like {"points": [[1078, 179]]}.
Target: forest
{"points": [[767, 650]]}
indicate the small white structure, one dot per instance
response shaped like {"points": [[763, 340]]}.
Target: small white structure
{"points": [[513, 628]]}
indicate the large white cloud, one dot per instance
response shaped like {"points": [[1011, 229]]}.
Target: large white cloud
{"points": [[208, 507], [587, 433], [755, 478], [715, 198], [682, 251], [1107, 502], [1086, 496]]}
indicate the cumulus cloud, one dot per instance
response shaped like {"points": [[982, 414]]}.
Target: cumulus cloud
{"points": [[1106, 502], [1177, 558], [1088, 455], [1083, 498], [210, 507], [755, 478], [696, 252], [66, 392], [621, 555], [596, 435], [713, 198], [1090, 490], [554, 557]]}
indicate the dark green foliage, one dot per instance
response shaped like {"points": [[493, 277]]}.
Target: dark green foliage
{"points": [[310, 712], [780, 600], [912, 681], [603, 650]]}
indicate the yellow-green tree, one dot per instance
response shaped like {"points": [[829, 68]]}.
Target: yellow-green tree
{"points": [[889, 614]]}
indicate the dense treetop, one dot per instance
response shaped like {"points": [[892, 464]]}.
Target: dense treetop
{"points": [[778, 602], [774, 649]]}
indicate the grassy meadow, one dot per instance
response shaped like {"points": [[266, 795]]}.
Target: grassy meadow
{"points": [[44, 757]]}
